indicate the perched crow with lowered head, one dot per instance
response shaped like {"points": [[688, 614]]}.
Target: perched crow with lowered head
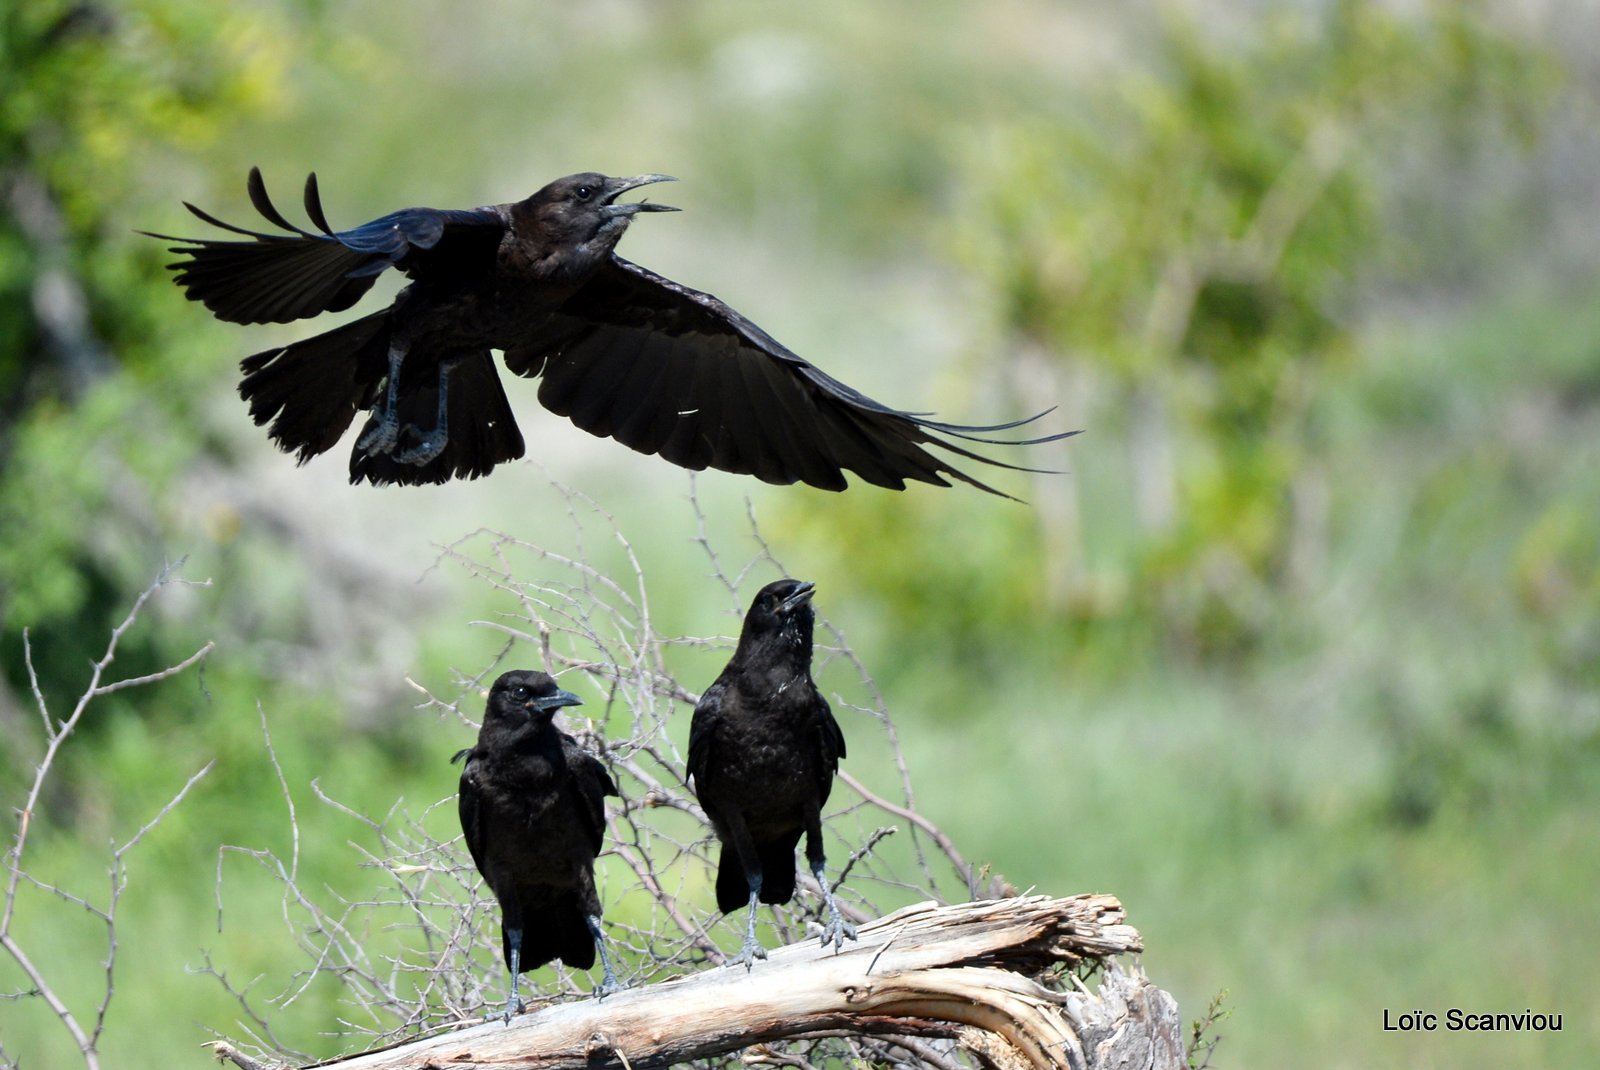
{"points": [[532, 807], [619, 350], [763, 749]]}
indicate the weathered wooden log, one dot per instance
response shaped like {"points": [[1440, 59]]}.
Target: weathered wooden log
{"points": [[965, 972]]}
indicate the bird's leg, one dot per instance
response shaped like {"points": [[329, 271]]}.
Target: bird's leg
{"points": [[751, 950], [749, 861], [514, 1005], [432, 443], [835, 929], [381, 435], [609, 983]]}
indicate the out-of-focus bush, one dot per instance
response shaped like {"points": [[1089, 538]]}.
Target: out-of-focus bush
{"points": [[102, 384], [1183, 253]]}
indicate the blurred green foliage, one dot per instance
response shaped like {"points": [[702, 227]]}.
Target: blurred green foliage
{"points": [[1188, 244], [94, 102], [1301, 659]]}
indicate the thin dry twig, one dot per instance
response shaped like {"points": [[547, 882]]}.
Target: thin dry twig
{"points": [[85, 1037]]}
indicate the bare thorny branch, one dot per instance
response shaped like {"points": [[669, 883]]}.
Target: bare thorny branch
{"points": [[418, 951], [84, 1025]]}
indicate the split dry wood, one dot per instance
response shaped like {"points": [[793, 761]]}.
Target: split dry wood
{"points": [[963, 972]]}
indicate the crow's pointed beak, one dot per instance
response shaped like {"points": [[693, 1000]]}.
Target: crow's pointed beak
{"points": [[557, 700], [801, 595], [615, 187]]}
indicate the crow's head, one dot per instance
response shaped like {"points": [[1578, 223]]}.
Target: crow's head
{"points": [[524, 695], [782, 611], [580, 213]]}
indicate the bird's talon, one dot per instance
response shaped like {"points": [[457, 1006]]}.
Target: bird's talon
{"points": [[379, 438], [747, 957], [836, 932], [427, 448]]}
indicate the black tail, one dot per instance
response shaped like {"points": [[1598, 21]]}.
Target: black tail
{"points": [[310, 390], [777, 874], [483, 432], [555, 931]]}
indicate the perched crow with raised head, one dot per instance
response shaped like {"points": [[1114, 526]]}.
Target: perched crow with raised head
{"points": [[532, 807], [619, 350], [763, 749]]}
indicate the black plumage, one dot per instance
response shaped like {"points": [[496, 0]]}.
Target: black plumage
{"points": [[763, 751], [621, 351], [532, 804]]}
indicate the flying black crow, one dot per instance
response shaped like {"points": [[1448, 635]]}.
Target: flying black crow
{"points": [[621, 351]]}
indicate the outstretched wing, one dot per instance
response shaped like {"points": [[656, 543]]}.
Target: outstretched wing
{"points": [[277, 278], [666, 369]]}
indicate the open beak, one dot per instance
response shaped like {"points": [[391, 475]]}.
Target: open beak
{"points": [[557, 700], [802, 594], [616, 187]]}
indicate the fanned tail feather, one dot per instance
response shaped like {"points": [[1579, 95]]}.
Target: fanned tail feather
{"points": [[311, 390]]}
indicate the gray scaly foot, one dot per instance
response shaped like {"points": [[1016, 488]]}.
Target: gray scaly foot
{"points": [[751, 950], [514, 1005], [837, 930], [609, 985]]}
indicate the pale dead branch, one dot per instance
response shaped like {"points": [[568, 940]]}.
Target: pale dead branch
{"points": [[969, 973]]}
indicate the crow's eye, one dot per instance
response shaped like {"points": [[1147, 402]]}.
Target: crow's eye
{"points": [[583, 193], [519, 692]]}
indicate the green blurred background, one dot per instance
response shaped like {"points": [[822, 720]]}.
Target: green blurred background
{"points": [[1299, 655]]}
